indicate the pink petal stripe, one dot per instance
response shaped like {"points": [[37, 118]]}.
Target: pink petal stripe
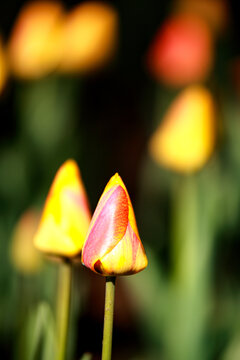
{"points": [[101, 203], [134, 242], [109, 227]]}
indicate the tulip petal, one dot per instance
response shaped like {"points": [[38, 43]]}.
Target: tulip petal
{"points": [[66, 215], [126, 258], [109, 225], [117, 181]]}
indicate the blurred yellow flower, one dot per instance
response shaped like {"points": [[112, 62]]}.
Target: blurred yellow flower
{"points": [[66, 216], [185, 139], [34, 46], [25, 258], [89, 37], [3, 66]]}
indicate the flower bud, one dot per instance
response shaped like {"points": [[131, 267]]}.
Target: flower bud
{"points": [[182, 51], [66, 216], [185, 138], [88, 37], [34, 47], [25, 258], [113, 246]]}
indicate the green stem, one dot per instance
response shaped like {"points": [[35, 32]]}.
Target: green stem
{"points": [[187, 291], [108, 318], [64, 298], [185, 242]]}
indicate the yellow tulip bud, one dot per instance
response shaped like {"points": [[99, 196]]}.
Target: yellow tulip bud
{"points": [[23, 254], [89, 37], [66, 216], [113, 246], [34, 47], [185, 138]]}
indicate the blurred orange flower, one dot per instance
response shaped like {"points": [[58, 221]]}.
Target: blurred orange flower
{"points": [[34, 47], [89, 36], [185, 139], [182, 51], [113, 245], [3, 66], [214, 12], [66, 216], [23, 254]]}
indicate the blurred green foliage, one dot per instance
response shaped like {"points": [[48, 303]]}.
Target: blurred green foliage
{"points": [[104, 121]]}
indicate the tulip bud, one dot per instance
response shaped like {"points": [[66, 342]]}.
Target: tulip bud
{"points": [[66, 216], [3, 67], [34, 47], [182, 51], [113, 246], [23, 254], [185, 138], [89, 37]]}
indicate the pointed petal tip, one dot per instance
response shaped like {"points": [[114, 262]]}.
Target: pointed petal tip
{"points": [[116, 180], [69, 164], [67, 175]]}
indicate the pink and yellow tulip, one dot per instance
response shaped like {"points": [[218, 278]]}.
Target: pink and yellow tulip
{"points": [[113, 246], [66, 216]]}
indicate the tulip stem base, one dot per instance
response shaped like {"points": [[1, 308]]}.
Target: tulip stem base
{"points": [[108, 318], [63, 310]]}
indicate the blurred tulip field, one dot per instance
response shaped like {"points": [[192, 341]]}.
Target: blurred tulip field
{"points": [[149, 90]]}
